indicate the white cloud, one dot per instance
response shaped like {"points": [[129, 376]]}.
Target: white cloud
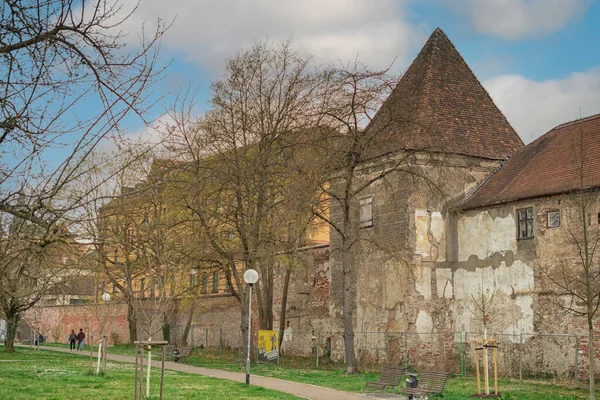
{"points": [[533, 107], [515, 19], [206, 31]]}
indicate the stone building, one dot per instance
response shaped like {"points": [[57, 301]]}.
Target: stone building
{"points": [[477, 214], [480, 216]]}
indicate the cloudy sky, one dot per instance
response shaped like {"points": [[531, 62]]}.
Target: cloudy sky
{"points": [[539, 59]]}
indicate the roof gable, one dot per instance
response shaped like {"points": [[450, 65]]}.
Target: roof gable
{"points": [[439, 105], [549, 165]]}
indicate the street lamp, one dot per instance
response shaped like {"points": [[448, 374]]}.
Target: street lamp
{"points": [[250, 277]]}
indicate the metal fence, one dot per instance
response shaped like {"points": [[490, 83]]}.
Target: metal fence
{"points": [[520, 356]]}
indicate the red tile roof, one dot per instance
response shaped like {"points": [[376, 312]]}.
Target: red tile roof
{"points": [[549, 165], [439, 105]]}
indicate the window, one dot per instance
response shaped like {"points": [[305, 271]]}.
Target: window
{"points": [[553, 219], [152, 287], [598, 218], [142, 287], [215, 282], [366, 212], [204, 282], [114, 290], [129, 235], [173, 285], [525, 217], [193, 281], [227, 279], [218, 205]]}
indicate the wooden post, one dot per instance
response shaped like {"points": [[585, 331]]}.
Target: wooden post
{"points": [[104, 354], [495, 344], [162, 372], [91, 340], [486, 378], [135, 385], [477, 348], [142, 372]]}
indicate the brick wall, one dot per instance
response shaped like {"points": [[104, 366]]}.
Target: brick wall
{"points": [[55, 322]]}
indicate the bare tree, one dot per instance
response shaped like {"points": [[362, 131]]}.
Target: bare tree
{"points": [[237, 165], [66, 84], [349, 100], [140, 248], [572, 282], [56, 57], [30, 267]]}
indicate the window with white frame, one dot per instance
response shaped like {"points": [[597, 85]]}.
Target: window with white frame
{"points": [[366, 212]]}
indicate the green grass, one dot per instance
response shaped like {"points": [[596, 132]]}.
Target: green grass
{"points": [[333, 376], [30, 374]]}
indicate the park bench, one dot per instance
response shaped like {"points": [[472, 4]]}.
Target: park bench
{"points": [[390, 376], [430, 382], [183, 353]]}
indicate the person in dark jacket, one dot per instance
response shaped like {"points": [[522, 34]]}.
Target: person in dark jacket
{"points": [[72, 340], [80, 338]]}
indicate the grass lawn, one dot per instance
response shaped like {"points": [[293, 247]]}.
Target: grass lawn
{"points": [[333, 376], [29, 374]]}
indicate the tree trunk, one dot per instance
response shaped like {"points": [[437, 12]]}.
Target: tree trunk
{"points": [[271, 289], [261, 300], [592, 357], [132, 321], [188, 324], [166, 328], [244, 324], [264, 298], [284, 296], [12, 320], [347, 308]]}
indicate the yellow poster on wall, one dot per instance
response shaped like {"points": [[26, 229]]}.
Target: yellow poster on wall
{"points": [[268, 346]]}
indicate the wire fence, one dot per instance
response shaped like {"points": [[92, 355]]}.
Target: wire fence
{"points": [[520, 356]]}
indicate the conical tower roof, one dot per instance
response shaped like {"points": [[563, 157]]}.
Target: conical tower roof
{"points": [[439, 105]]}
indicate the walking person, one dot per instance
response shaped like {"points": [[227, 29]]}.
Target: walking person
{"points": [[72, 340], [80, 337]]}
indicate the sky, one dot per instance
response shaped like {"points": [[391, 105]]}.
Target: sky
{"points": [[538, 59]]}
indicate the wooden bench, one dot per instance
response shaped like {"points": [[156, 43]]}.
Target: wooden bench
{"points": [[390, 376], [430, 382], [184, 352]]}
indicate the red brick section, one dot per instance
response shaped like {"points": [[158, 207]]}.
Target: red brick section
{"points": [[60, 320], [439, 105], [547, 166]]}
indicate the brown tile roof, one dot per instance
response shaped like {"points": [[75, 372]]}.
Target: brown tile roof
{"points": [[547, 166], [439, 105]]}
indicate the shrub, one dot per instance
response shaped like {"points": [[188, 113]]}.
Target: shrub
{"points": [[56, 333], [116, 339]]}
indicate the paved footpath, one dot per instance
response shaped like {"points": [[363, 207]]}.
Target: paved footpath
{"points": [[303, 390]]}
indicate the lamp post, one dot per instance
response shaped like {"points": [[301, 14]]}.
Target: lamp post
{"points": [[105, 299], [250, 277]]}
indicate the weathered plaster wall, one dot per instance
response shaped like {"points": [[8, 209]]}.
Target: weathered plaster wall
{"points": [[403, 264]]}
